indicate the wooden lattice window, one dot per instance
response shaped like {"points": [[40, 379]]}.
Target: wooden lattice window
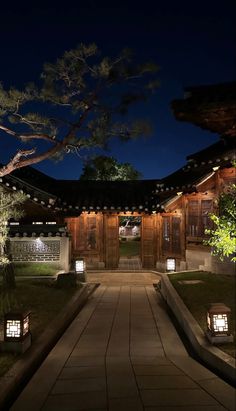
{"points": [[193, 218], [171, 238], [198, 217], [166, 246], [176, 242]]}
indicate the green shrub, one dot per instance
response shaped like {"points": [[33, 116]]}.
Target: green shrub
{"points": [[66, 280]]}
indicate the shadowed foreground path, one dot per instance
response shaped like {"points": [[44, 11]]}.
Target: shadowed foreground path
{"points": [[122, 353]]}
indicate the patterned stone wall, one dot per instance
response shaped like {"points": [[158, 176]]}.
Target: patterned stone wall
{"points": [[36, 250]]}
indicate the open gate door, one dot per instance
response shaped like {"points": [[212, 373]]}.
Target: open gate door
{"points": [[111, 241], [148, 241]]}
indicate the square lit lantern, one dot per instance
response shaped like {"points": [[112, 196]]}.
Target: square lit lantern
{"points": [[80, 269], [218, 319], [170, 264], [16, 326], [79, 265]]}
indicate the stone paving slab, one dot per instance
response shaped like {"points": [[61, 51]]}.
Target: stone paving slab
{"points": [[169, 370], [183, 408], [79, 385], [82, 360], [119, 359], [125, 404], [75, 402], [70, 373], [177, 397], [150, 382]]}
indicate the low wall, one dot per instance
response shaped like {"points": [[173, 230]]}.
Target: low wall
{"points": [[212, 355], [41, 249], [197, 258], [180, 266], [223, 267], [203, 260]]}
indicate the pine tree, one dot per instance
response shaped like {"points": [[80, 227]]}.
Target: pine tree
{"points": [[78, 104]]}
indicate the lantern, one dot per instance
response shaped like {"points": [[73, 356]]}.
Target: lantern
{"points": [[170, 264], [80, 269], [17, 337], [16, 326], [218, 322]]}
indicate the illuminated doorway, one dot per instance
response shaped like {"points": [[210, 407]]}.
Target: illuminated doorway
{"points": [[129, 242]]}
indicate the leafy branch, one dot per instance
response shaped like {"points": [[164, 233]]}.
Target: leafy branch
{"points": [[223, 235]]}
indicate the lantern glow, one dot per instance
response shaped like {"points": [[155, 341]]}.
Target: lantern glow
{"points": [[79, 266], [170, 264], [16, 326], [218, 323], [80, 269], [13, 329]]}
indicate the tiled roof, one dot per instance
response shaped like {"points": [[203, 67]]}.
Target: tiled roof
{"points": [[74, 196], [212, 107], [212, 92], [37, 230], [71, 197], [106, 195], [220, 151]]}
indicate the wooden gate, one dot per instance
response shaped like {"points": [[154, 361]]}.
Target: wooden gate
{"points": [[148, 241], [111, 241]]}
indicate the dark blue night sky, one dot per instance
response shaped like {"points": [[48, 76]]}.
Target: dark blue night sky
{"points": [[192, 42]]}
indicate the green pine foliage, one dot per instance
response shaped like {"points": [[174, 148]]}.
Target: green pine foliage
{"points": [[108, 169], [78, 103]]}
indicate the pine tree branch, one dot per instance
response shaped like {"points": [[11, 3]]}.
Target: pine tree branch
{"points": [[27, 136]]}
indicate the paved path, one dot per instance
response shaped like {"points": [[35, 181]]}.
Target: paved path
{"points": [[122, 353], [122, 278], [132, 263]]}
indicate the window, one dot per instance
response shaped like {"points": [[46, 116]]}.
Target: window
{"points": [[198, 217], [166, 234], [176, 245]]}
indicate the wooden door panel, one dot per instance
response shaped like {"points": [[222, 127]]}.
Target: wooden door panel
{"points": [[148, 245], [111, 241]]}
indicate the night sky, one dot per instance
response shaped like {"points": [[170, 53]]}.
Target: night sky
{"points": [[192, 42]]}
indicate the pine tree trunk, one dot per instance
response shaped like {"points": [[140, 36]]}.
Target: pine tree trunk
{"points": [[9, 281]]}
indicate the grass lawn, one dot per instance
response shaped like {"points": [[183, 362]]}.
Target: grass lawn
{"points": [[129, 248], [43, 300], [35, 269], [197, 297]]}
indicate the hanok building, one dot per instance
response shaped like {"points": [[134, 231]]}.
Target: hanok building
{"points": [[65, 219]]}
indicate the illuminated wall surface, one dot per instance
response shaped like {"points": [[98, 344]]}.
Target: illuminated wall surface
{"points": [[36, 250]]}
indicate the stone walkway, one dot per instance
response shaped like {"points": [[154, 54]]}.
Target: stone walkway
{"points": [[132, 263], [123, 353], [122, 278]]}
